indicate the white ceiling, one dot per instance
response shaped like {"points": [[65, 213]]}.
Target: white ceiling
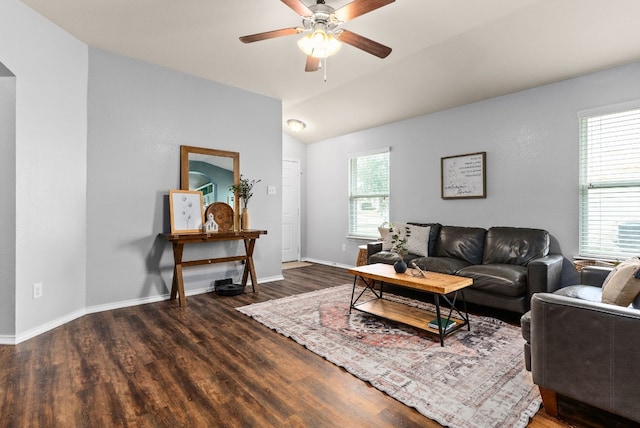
{"points": [[446, 53]]}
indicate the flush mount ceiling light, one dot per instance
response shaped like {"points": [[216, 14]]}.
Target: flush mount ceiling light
{"points": [[296, 125]]}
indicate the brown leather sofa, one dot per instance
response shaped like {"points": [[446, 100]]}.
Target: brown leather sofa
{"points": [[580, 348], [507, 264]]}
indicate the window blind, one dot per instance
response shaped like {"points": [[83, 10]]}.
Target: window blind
{"points": [[609, 207], [368, 193]]}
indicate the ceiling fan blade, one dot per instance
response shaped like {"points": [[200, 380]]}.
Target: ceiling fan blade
{"points": [[298, 7], [313, 64], [359, 7], [270, 35], [367, 45]]}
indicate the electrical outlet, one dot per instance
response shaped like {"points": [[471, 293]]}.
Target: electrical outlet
{"points": [[344, 247], [37, 290]]}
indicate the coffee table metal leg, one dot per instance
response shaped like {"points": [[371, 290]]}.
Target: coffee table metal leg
{"points": [[440, 332], [353, 292], [453, 305], [466, 312], [368, 286]]}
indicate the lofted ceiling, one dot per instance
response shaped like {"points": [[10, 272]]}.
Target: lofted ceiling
{"points": [[446, 53]]}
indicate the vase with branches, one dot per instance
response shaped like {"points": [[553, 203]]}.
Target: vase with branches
{"points": [[399, 241], [244, 191]]}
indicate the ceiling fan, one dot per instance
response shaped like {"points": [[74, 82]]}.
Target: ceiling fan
{"points": [[323, 32]]}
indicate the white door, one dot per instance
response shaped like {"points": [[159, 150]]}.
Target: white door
{"points": [[290, 210]]}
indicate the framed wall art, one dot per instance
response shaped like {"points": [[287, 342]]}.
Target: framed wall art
{"points": [[186, 209], [464, 176]]}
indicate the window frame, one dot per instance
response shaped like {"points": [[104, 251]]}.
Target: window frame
{"points": [[355, 199], [600, 245]]}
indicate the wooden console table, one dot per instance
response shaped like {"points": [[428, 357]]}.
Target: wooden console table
{"points": [[179, 240]]}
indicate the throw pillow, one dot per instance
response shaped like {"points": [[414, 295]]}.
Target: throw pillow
{"points": [[622, 285], [418, 242], [418, 239], [385, 236]]}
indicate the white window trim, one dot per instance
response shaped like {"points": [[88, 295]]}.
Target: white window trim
{"points": [[588, 253], [350, 156]]}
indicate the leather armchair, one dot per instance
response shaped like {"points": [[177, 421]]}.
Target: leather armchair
{"points": [[584, 349]]}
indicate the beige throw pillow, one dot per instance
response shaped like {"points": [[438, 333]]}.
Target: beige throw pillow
{"points": [[385, 237], [622, 286]]}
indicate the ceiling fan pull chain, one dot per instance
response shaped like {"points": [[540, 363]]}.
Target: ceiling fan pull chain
{"points": [[324, 69]]}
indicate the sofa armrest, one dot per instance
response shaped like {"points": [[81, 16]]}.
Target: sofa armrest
{"points": [[372, 248], [544, 274], [587, 351], [594, 275]]}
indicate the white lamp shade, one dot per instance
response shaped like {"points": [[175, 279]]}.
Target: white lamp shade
{"points": [[319, 44]]}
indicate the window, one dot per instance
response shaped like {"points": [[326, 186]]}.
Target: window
{"points": [[610, 185], [368, 193]]}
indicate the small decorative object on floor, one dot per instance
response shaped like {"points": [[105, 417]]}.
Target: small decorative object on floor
{"points": [[244, 190], [400, 266]]}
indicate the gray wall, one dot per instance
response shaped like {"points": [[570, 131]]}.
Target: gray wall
{"points": [[531, 140], [50, 166], [139, 115], [8, 197], [92, 157]]}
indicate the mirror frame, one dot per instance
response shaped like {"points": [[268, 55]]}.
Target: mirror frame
{"points": [[184, 171]]}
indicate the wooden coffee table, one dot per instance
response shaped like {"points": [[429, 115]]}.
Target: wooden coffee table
{"points": [[442, 286]]}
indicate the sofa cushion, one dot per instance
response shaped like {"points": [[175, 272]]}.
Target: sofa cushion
{"points": [[464, 243], [514, 245], [434, 231], [386, 257], [389, 257], [582, 292], [622, 285], [448, 265], [506, 280]]}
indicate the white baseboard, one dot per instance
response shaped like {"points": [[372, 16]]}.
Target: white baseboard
{"points": [[16, 339], [43, 328], [6, 339], [324, 262], [272, 279]]}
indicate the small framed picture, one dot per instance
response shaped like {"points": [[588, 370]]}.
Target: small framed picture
{"points": [[464, 176], [187, 215]]}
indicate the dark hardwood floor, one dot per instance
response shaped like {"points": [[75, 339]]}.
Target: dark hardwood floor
{"points": [[204, 365]]}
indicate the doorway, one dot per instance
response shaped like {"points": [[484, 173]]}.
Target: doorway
{"points": [[290, 210]]}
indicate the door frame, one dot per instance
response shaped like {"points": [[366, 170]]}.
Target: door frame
{"points": [[298, 219]]}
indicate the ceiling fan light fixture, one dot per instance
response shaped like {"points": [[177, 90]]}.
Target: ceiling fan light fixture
{"points": [[296, 125], [319, 44]]}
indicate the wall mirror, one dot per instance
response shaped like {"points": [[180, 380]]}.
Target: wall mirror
{"points": [[212, 172]]}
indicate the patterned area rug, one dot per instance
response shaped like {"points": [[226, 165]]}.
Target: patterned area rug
{"points": [[477, 379]]}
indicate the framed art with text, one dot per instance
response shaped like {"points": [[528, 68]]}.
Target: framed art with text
{"points": [[464, 176]]}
